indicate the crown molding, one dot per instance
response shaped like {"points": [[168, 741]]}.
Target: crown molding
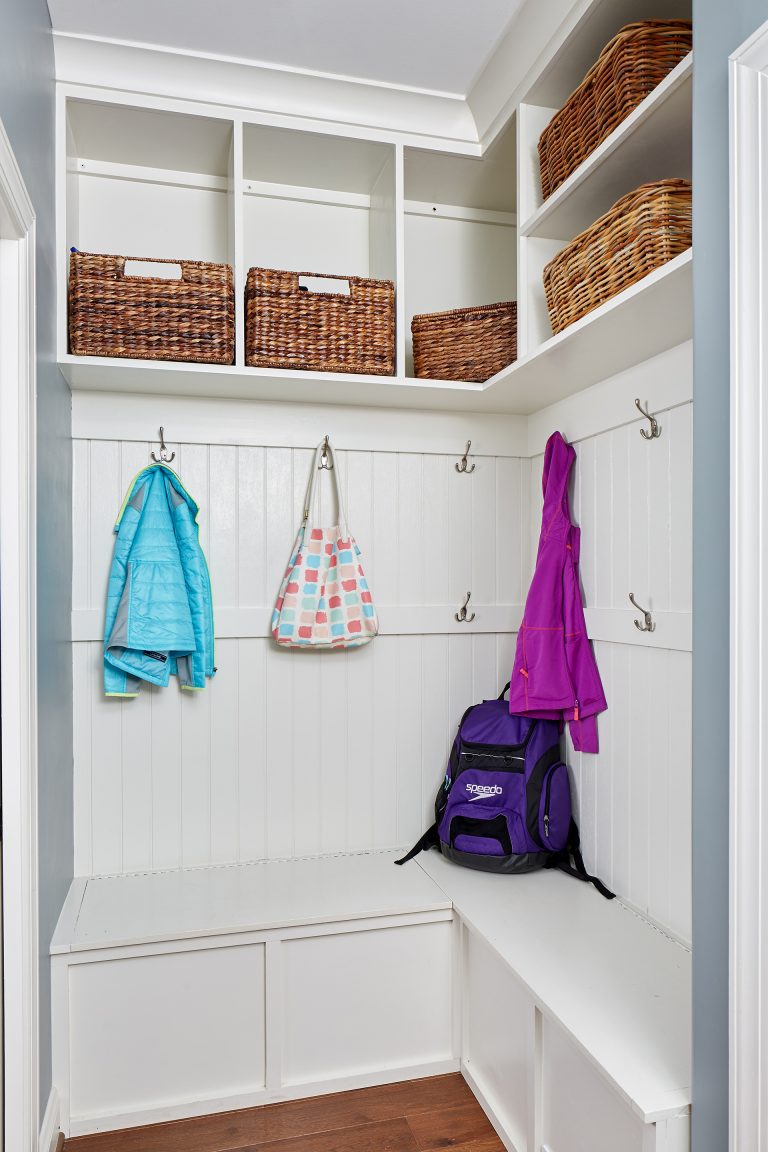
{"points": [[419, 117]]}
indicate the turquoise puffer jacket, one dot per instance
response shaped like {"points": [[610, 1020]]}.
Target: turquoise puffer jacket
{"points": [[159, 620]]}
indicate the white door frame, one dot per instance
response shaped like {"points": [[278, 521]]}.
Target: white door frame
{"points": [[749, 598], [18, 639]]}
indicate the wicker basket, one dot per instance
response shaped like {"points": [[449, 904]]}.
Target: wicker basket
{"points": [[643, 230], [465, 344], [111, 314], [627, 70], [287, 326]]}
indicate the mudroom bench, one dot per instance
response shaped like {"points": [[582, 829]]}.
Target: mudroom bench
{"points": [[197, 990], [576, 1021]]}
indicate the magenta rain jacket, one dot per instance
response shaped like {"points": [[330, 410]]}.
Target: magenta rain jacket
{"points": [[555, 676]]}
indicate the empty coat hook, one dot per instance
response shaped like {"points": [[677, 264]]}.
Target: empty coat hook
{"points": [[655, 429], [165, 456], [461, 615], [325, 459], [648, 624], [461, 466]]}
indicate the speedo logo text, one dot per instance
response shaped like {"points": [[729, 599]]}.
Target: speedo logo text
{"points": [[483, 790]]}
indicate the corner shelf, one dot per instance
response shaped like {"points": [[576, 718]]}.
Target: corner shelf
{"points": [[653, 143], [639, 323], [644, 320]]}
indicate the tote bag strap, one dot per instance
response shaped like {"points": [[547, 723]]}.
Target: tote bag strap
{"points": [[311, 510]]}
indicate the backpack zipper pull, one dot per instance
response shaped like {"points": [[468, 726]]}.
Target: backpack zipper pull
{"points": [[546, 825]]}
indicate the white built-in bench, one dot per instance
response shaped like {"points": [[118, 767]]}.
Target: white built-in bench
{"points": [[206, 989], [198, 990], [577, 1014]]}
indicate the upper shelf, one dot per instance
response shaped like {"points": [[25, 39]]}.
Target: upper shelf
{"points": [[648, 318], [653, 143]]}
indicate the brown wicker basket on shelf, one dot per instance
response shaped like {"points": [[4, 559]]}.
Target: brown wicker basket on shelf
{"points": [[288, 326], [627, 70], [466, 343], [150, 318], [641, 231]]}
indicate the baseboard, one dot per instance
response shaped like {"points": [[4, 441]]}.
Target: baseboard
{"points": [[85, 1126], [49, 1130], [490, 1110]]}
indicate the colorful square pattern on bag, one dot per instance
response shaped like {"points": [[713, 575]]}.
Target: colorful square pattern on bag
{"points": [[325, 578]]}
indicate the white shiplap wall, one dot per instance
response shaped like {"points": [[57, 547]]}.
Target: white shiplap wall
{"points": [[299, 753], [292, 753], [632, 499]]}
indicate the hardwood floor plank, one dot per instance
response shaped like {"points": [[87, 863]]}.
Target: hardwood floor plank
{"points": [[451, 1127], [226, 1131], [383, 1136]]}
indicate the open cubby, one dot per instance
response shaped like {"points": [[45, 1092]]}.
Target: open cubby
{"points": [[318, 203], [460, 230], [149, 183]]}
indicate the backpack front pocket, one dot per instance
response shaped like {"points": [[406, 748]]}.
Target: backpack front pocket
{"points": [[555, 808], [483, 831]]}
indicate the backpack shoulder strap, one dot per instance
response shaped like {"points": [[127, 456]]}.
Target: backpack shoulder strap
{"points": [[428, 840], [562, 862]]}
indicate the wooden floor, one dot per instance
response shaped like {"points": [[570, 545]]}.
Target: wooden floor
{"points": [[416, 1116]]}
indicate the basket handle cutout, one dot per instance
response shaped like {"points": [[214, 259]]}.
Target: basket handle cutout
{"points": [[325, 285], [153, 270]]}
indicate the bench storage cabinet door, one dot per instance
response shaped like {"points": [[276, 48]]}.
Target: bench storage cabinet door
{"points": [[153, 1029], [362, 1002], [580, 1111], [498, 1043]]}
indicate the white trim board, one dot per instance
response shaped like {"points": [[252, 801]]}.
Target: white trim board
{"points": [[748, 1127], [610, 625], [18, 628], [662, 383], [110, 416], [49, 1129]]}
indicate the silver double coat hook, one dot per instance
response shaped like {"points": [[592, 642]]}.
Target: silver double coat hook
{"points": [[461, 615], [655, 429], [648, 624], [165, 456], [461, 465]]}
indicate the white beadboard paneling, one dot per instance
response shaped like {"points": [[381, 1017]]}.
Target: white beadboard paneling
{"points": [[634, 796], [300, 753]]}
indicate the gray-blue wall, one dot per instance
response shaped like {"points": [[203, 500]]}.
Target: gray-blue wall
{"points": [[720, 26], [27, 112]]}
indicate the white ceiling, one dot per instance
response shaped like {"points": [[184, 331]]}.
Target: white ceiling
{"points": [[439, 45]]}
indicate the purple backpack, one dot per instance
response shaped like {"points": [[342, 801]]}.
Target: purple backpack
{"points": [[505, 803]]}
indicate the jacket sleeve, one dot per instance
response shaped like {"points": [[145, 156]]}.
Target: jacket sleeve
{"points": [[193, 669], [116, 681], [580, 659]]}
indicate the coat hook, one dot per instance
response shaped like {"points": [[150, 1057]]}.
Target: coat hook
{"points": [[325, 460], [655, 429], [165, 456], [461, 615], [648, 624], [461, 466]]}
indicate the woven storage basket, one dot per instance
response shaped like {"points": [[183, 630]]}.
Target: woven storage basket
{"points": [[465, 344], [287, 326], [627, 70], [111, 314], [641, 231]]}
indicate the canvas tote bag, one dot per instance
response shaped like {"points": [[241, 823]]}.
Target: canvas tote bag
{"points": [[324, 600]]}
